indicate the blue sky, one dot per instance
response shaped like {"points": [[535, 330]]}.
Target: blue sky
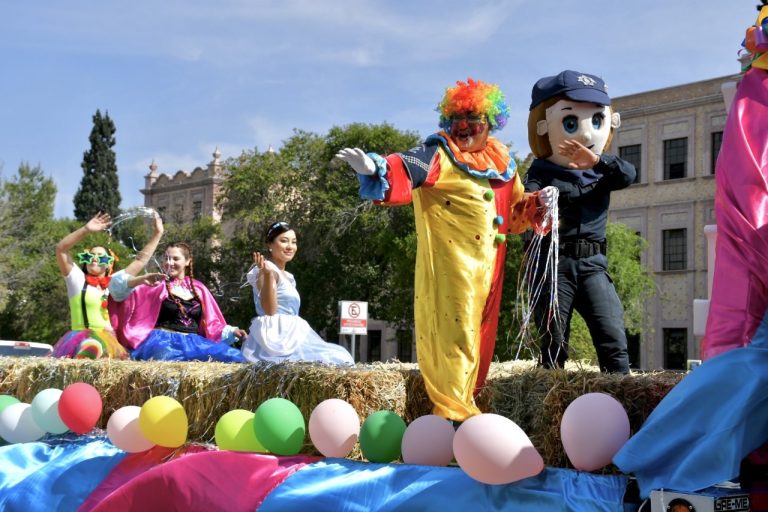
{"points": [[180, 78]]}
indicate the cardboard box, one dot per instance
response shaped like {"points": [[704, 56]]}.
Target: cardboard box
{"points": [[719, 498]]}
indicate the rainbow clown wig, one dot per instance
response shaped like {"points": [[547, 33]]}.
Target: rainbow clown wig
{"points": [[474, 97]]}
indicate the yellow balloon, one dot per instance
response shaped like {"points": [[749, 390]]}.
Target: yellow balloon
{"points": [[163, 421], [234, 431]]}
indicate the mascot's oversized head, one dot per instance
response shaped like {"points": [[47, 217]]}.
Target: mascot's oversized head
{"points": [[570, 105], [470, 111]]}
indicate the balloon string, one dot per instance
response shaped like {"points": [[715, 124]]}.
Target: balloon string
{"points": [[538, 272]]}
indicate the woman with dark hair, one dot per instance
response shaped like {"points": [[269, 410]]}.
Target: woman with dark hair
{"points": [[171, 315], [92, 335], [278, 333]]}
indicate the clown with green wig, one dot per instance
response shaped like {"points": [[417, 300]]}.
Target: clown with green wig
{"points": [[467, 200]]}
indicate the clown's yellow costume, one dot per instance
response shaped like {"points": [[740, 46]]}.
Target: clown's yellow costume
{"points": [[465, 205]]}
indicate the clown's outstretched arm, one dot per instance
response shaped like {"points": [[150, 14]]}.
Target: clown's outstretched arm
{"points": [[382, 179]]}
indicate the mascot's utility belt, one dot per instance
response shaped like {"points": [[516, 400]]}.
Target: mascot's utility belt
{"points": [[582, 248]]}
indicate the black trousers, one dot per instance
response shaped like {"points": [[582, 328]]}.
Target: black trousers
{"points": [[583, 285]]}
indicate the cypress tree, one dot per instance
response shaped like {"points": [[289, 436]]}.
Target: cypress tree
{"points": [[99, 188]]}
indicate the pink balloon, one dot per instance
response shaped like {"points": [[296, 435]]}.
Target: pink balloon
{"points": [[124, 432], [428, 440], [334, 427], [80, 407], [594, 427], [494, 450]]}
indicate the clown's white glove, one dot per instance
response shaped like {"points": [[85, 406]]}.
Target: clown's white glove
{"points": [[548, 197], [358, 160]]}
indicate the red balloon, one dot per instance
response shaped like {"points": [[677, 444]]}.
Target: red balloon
{"points": [[80, 407]]}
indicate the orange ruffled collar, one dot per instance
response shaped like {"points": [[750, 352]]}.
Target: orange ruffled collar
{"points": [[495, 155]]}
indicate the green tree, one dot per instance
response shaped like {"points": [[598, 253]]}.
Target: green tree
{"points": [[348, 248], [633, 285], [33, 305], [99, 187]]}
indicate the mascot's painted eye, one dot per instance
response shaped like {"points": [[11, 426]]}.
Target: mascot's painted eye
{"points": [[570, 124], [597, 120]]}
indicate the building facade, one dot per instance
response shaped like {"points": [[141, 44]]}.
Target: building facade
{"points": [[672, 136], [185, 196]]}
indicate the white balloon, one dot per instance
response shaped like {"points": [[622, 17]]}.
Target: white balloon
{"points": [[428, 441], [594, 428], [124, 432], [334, 427], [45, 411], [17, 424], [494, 450]]}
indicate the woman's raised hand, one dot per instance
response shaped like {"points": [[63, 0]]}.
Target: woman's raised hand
{"points": [[99, 222], [158, 224], [260, 261]]}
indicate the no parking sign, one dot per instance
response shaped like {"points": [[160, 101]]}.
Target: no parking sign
{"points": [[354, 317]]}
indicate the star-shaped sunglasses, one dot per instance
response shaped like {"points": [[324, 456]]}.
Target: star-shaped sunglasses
{"points": [[103, 260]]}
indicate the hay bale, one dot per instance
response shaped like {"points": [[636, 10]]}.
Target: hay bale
{"points": [[532, 397]]}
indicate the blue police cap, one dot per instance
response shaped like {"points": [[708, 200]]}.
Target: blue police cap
{"points": [[573, 85]]}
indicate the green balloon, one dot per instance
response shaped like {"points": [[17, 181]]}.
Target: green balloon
{"points": [[279, 426], [381, 436], [5, 401], [234, 431]]}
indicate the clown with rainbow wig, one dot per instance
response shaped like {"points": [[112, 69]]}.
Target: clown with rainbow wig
{"points": [[467, 199], [92, 335]]}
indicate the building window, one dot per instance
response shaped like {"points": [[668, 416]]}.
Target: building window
{"points": [[178, 214], [197, 210], [632, 155], [675, 158], [717, 141], [675, 249], [404, 346], [675, 348], [374, 346]]}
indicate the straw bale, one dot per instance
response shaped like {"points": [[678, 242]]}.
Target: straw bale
{"points": [[532, 397]]}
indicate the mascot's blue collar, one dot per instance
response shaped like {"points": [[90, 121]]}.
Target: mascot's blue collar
{"points": [[491, 174]]}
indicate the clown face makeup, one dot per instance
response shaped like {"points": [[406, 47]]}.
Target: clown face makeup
{"points": [[470, 132], [587, 123]]}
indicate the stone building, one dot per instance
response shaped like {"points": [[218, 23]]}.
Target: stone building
{"points": [[185, 196], [672, 136]]}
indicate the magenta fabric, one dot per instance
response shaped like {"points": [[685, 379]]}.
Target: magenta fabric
{"points": [[133, 465], [210, 480], [136, 316], [740, 287]]}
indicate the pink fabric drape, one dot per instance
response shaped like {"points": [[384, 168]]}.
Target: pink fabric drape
{"points": [[136, 316], [740, 287], [209, 480]]}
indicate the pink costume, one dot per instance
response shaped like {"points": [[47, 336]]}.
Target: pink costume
{"points": [[740, 288], [135, 316]]}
